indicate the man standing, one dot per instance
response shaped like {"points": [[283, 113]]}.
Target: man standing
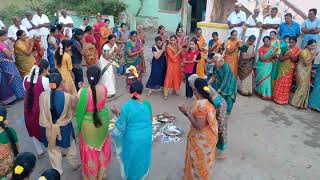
{"points": [[270, 23], [289, 27], [32, 27], [67, 23], [253, 24], [12, 31], [311, 28], [236, 20], [43, 25]]}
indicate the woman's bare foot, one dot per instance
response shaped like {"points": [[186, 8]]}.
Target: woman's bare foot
{"points": [[221, 155]]}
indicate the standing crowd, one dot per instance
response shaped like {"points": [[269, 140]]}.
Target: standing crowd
{"points": [[42, 64]]}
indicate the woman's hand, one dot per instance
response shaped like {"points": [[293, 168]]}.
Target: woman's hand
{"points": [[115, 110], [184, 109]]}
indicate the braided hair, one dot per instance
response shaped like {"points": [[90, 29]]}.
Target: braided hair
{"points": [[3, 115], [61, 50], [94, 75], [55, 80]]}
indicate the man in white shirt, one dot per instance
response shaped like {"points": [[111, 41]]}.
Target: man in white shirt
{"points": [[32, 27], [2, 26], [254, 24], [67, 23], [236, 20], [14, 28], [43, 28], [270, 23]]}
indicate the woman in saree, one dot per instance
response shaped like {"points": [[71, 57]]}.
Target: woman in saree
{"points": [[314, 99], [141, 37], [246, 64], [267, 54], [203, 134], [215, 44], [158, 66], [182, 41], [53, 44], [221, 106], [303, 75], [97, 33], [93, 124], [8, 145], [162, 34], [132, 135], [89, 46], [11, 88], [105, 31], [134, 52], [223, 80], [38, 51], [276, 44], [56, 114], [35, 83], [23, 53], [63, 63], [232, 52], [107, 61], [172, 81], [282, 87], [201, 65]]}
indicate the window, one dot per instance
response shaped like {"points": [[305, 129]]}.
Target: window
{"points": [[169, 5]]}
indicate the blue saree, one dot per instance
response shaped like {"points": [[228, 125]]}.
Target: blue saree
{"points": [[314, 99]]}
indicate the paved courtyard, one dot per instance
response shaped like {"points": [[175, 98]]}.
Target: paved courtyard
{"points": [[266, 141]]}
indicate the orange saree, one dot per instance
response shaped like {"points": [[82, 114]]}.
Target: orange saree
{"points": [[173, 78], [201, 143], [105, 32], [232, 58], [202, 63]]}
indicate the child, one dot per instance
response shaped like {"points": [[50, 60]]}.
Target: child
{"points": [[132, 74], [23, 166], [8, 145]]}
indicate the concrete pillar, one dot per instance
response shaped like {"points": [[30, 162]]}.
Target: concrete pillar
{"points": [[209, 10], [184, 15]]}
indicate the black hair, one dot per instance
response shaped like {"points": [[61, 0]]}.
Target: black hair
{"points": [[13, 145], [59, 27], [54, 78], [159, 28], [158, 38], [57, 55], [199, 84], [215, 34], [210, 55], [88, 29], [274, 9], [107, 20], [288, 15], [53, 70], [273, 32], [195, 40], [51, 174], [173, 36], [198, 29], [44, 64], [93, 76], [233, 31], [133, 33], [19, 33], [252, 38], [178, 28], [77, 32], [136, 86], [2, 32], [293, 38], [286, 36], [311, 41], [314, 10], [27, 161], [266, 37], [123, 24], [53, 29]]}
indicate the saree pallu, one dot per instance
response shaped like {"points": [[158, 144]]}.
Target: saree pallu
{"points": [[263, 79], [24, 62], [303, 79], [233, 58], [314, 99], [91, 55], [201, 143], [245, 72], [6, 160], [282, 87], [105, 32], [97, 27], [173, 74], [275, 63], [222, 124], [202, 63], [135, 60], [11, 83], [94, 143]]}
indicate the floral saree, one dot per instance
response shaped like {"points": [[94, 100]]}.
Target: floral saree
{"points": [[134, 60]]}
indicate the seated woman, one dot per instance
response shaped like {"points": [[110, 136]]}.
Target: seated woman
{"points": [[89, 46], [8, 145], [93, 124], [23, 166], [203, 134], [134, 52], [223, 80], [56, 113], [132, 134], [35, 83], [23, 53], [11, 88]]}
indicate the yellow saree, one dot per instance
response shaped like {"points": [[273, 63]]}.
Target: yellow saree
{"points": [[24, 62]]}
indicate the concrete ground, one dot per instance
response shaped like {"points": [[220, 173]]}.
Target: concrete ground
{"points": [[266, 141]]}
